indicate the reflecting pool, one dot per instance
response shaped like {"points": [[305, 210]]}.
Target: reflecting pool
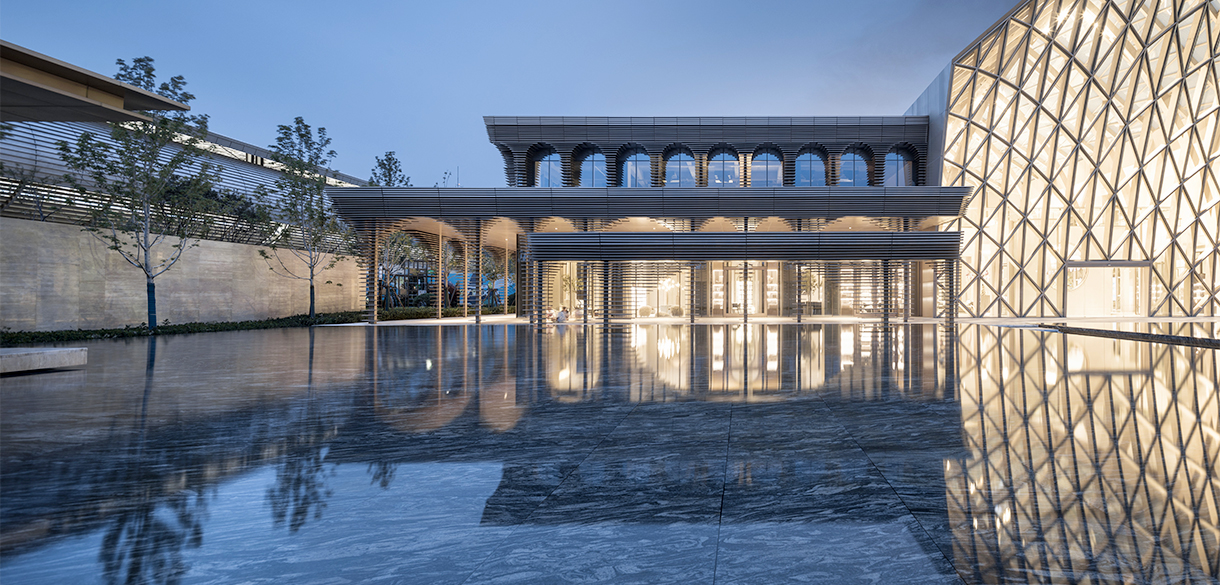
{"points": [[836, 453]]}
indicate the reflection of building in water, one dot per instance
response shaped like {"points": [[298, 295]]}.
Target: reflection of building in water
{"points": [[435, 383], [752, 362], [1087, 454]]}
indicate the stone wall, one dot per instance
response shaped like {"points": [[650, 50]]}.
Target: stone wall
{"points": [[55, 276]]}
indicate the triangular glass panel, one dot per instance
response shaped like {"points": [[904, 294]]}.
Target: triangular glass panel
{"points": [[1066, 22], [989, 59], [970, 59], [1195, 42], [1044, 21], [1014, 42], [963, 81]]}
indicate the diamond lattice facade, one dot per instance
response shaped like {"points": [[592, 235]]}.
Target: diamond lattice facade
{"points": [[1091, 132]]}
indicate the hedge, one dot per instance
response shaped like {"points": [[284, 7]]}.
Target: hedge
{"points": [[9, 338]]}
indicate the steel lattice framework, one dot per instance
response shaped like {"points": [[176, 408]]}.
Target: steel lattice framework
{"points": [[1091, 130]]}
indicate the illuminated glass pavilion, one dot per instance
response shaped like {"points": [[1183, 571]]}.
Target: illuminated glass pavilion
{"points": [[1091, 133]]}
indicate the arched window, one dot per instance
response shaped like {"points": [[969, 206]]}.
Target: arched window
{"points": [[853, 170], [548, 171], [593, 170], [680, 170], [636, 171], [899, 169], [766, 171], [722, 170], [810, 170]]}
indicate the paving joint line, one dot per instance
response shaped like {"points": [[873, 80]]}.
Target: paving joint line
{"points": [[552, 492]]}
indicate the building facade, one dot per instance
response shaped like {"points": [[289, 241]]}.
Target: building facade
{"points": [[697, 217]]}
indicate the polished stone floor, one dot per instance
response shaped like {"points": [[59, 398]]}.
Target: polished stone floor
{"points": [[654, 453]]}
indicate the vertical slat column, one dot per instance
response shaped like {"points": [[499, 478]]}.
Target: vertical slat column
{"points": [[691, 292], [605, 293], [440, 271], [831, 301], [701, 169], [478, 310], [370, 243], [465, 278]]}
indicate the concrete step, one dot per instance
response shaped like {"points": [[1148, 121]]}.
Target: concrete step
{"points": [[24, 359]]}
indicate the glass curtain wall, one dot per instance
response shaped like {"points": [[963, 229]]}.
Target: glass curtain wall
{"points": [[680, 170], [593, 170], [810, 170], [766, 171], [637, 171], [899, 170], [548, 171], [722, 170], [853, 170]]}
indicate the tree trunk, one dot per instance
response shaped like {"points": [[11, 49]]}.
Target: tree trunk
{"points": [[311, 304], [152, 305]]}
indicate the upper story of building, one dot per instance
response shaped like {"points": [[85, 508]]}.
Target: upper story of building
{"points": [[554, 151]]}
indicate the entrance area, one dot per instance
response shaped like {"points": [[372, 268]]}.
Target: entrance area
{"points": [[1107, 290]]}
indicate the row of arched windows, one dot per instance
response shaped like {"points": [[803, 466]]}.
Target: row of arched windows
{"points": [[723, 169]]}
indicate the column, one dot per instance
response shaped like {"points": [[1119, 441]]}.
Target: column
{"points": [[440, 270], [478, 310]]}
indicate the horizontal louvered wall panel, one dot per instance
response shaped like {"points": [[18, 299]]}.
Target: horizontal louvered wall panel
{"points": [[697, 246], [365, 203]]}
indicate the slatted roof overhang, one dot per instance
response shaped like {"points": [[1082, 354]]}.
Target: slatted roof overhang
{"points": [[379, 204], [38, 88], [702, 246], [528, 129]]}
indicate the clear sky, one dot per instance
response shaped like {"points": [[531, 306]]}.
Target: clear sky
{"points": [[418, 77]]}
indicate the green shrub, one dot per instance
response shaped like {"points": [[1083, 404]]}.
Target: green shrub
{"points": [[10, 338]]}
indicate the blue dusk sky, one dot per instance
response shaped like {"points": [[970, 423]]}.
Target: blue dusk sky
{"points": [[418, 77]]}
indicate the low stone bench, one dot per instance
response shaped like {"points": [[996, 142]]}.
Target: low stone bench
{"points": [[24, 359]]}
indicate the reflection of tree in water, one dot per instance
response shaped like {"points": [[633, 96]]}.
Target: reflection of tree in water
{"points": [[300, 481], [382, 473], [144, 543], [144, 539]]}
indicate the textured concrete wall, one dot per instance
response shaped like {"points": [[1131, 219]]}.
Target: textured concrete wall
{"points": [[54, 276]]}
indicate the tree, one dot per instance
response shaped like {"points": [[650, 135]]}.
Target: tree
{"points": [[388, 172], [151, 179], [311, 233]]}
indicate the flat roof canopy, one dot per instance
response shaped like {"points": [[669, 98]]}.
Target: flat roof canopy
{"points": [[38, 88], [381, 205]]}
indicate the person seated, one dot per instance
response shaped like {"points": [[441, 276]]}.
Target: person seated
{"points": [[562, 316]]}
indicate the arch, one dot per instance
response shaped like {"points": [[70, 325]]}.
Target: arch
{"points": [[856, 166], [811, 166], [679, 165], [719, 224], [543, 167], [773, 224], [767, 166], [637, 224], [634, 166], [555, 224], [723, 166], [900, 165], [588, 166]]}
